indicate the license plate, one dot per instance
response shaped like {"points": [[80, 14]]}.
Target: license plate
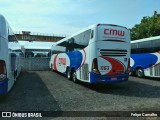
{"points": [[114, 78]]}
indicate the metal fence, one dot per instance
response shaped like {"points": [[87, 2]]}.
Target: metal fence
{"points": [[33, 64]]}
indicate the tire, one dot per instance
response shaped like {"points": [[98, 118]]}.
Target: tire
{"points": [[74, 76], [130, 72], [68, 74], [139, 72]]}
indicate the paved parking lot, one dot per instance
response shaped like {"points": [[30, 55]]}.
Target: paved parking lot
{"points": [[51, 91]]}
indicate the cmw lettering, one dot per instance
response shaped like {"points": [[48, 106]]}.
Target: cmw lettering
{"points": [[113, 32]]}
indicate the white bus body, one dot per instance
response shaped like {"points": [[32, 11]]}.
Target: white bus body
{"points": [[145, 57], [10, 51], [97, 54]]}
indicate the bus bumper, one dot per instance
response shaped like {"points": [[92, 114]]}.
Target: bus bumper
{"points": [[3, 86], [94, 78]]}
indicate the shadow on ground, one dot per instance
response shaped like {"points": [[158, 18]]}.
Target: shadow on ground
{"points": [[29, 94], [128, 88]]}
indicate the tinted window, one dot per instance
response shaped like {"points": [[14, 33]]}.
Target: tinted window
{"points": [[79, 41], [134, 48], [134, 45], [141, 47], [156, 45], [146, 44], [134, 51]]}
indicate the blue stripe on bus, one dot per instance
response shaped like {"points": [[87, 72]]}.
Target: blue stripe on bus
{"points": [[94, 78], [76, 58], [3, 86], [144, 60]]}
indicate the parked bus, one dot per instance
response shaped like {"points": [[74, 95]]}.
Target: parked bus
{"points": [[98, 54], [10, 52], [145, 57]]}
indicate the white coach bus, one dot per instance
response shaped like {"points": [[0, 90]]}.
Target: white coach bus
{"points": [[10, 52], [98, 54], [145, 57]]}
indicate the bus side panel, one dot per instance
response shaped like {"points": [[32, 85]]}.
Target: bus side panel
{"points": [[92, 55], [63, 60], [4, 86], [51, 61], [77, 60], [7, 44], [83, 70], [143, 60], [154, 70]]}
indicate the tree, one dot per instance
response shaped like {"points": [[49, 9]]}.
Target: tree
{"points": [[149, 26]]}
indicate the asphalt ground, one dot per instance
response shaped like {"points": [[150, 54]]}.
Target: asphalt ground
{"points": [[51, 91]]}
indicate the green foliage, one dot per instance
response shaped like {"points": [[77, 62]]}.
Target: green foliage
{"points": [[149, 26]]}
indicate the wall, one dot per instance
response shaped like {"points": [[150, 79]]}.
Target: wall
{"points": [[33, 64]]}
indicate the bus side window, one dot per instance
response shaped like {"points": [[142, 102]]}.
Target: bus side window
{"points": [[134, 51], [145, 47], [79, 41], [156, 45], [134, 48]]}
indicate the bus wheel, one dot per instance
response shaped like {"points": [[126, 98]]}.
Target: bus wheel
{"points": [[130, 72], [139, 72], [74, 76], [68, 74]]}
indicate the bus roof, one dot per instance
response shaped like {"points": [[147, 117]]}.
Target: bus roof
{"points": [[146, 39], [64, 41]]}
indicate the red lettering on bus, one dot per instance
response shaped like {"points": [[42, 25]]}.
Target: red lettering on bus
{"points": [[62, 61], [114, 32]]}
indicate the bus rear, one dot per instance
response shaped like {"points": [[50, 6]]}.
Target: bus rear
{"points": [[112, 48]]}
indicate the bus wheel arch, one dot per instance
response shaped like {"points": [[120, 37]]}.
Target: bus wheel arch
{"points": [[139, 71]]}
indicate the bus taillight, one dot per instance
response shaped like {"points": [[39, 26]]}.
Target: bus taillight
{"points": [[2, 70], [95, 66]]}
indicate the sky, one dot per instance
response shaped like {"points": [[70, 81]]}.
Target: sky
{"points": [[69, 16]]}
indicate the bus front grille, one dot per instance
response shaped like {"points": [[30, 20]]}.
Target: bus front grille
{"points": [[112, 52]]}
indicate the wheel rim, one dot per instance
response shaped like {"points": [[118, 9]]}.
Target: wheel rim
{"points": [[68, 74], [74, 76], [140, 73]]}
